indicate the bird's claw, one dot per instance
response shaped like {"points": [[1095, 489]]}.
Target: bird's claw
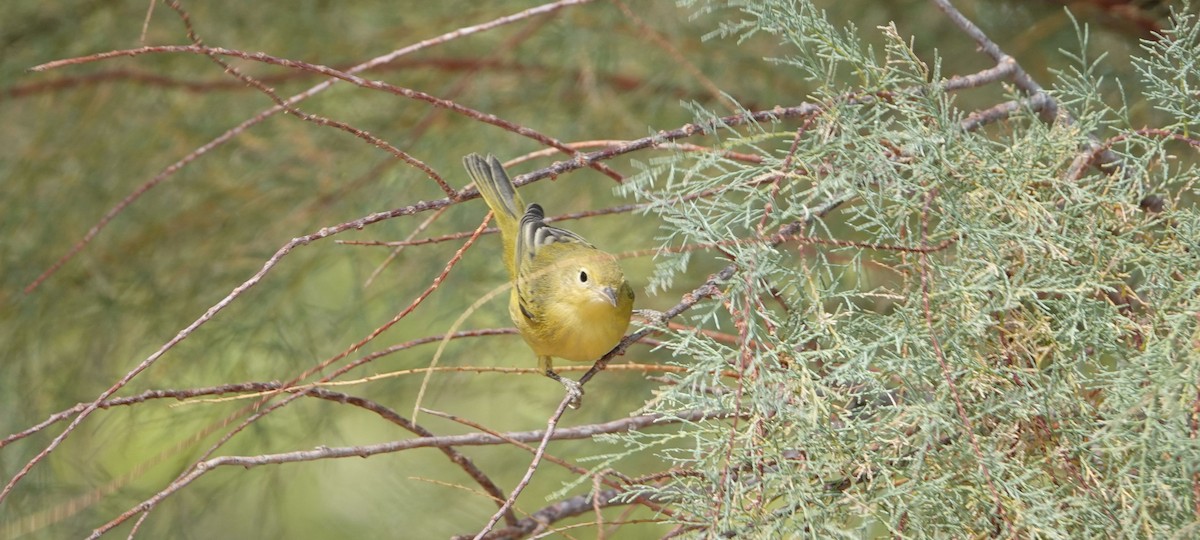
{"points": [[574, 392]]}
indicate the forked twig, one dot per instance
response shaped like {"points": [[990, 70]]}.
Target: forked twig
{"points": [[260, 117], [533, 465], [968, 427]]}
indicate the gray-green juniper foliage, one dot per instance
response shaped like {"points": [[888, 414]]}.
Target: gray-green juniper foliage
{"points": [[956, 267]]}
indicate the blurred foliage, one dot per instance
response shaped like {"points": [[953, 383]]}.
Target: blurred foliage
{"points": [[77, 140], [1009, 350]]}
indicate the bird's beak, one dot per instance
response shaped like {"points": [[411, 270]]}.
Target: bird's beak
{"points": [[609, 294]]}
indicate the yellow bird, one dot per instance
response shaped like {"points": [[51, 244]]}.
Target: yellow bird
{"points": [[569, 300]]}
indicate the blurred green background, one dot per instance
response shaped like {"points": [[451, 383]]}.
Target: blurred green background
{"points": [[77, 140]]}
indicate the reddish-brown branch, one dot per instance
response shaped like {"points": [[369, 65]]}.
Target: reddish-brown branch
{"points": [[260, 117], [553, 513], [315, 119], [343, 76], [647, 32], [260, 412], [551, 424], [256, 386], [968, 427], [1093, 154], [472, 439], [618, 81]]}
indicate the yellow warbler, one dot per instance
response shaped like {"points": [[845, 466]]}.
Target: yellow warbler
{"points": [[569, 300]]}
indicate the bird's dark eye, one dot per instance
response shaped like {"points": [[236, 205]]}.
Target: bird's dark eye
{"points": [[583, 276]]}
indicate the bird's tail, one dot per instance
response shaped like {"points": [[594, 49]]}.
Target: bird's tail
{"points": [[500, 195]]}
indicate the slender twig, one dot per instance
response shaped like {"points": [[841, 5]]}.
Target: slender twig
{"points": [[1092, 153], [533, 466], [339, 75], [316, 119], [618, 480], [262, 116], [645, 31], [596, 507], [261, 411], [146, 22], [968, 427], [645, 368], [472, 439], [553, 513], [1107, 144], [425, 223], [448, 64]]}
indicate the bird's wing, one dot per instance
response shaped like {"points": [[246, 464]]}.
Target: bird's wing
{"points": [[535, 234]]}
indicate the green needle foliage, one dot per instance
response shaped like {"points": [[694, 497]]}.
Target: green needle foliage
{"points": [[960, 336]]}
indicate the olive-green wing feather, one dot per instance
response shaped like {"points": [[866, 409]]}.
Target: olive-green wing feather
{"points": [[534, 272]]}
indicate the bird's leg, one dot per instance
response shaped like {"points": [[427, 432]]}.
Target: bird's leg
{"points": [[574, 390]]}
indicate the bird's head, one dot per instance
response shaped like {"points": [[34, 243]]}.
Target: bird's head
{"points": [[593, 281]]}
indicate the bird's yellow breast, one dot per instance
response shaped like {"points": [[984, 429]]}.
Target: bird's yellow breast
{"points": [[580, 332]]}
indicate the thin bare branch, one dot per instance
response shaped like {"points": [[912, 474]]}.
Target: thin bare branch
{"points": [[533, 466], [471, 439], [558, 511], [968, 427], [1092, 153], [260, 117]]}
